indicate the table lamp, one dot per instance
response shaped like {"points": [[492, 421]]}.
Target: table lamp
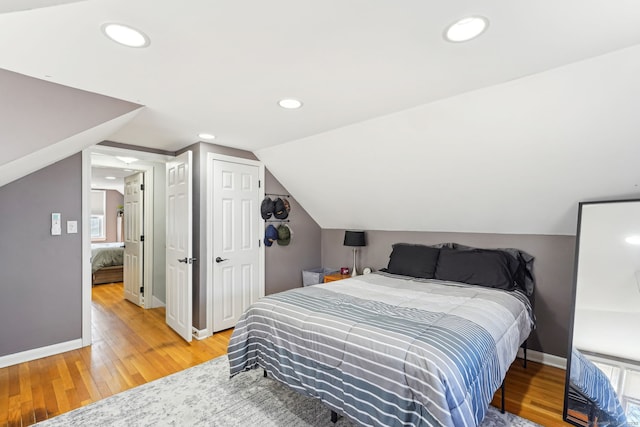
{"points": [[354, 239]]}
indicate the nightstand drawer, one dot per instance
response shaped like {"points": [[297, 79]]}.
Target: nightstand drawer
{"points": [[333, 277]]}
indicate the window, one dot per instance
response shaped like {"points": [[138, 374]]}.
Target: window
{"points": [[98, 209], [97, 227]]}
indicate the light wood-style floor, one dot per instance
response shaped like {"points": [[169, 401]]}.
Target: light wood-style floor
{"points": [[132, 346]]}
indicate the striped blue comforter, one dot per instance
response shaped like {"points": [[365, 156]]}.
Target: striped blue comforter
{"points": [[387, 350], [594, 384]]}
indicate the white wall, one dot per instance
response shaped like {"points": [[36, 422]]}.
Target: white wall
{"points": [[512, 158]]}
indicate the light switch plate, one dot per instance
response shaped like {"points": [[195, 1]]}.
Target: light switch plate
{"points": [[72, 227]]}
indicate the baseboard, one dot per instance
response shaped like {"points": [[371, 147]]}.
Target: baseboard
{"points": [[200, 334], [544, 358], [157, 303], [37, 353]]}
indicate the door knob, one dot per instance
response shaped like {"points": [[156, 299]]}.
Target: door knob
{"points": [[185, 260], [218, 259]]}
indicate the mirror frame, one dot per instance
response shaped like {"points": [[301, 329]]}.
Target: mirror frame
{"points": [[573, 301]]}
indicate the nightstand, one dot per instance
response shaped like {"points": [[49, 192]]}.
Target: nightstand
{"points": [[333, 277]]}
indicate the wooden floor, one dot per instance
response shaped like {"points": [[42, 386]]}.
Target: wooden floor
{"points": [[132, 346]]}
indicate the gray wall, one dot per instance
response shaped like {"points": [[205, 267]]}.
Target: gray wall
{"points": [[159, 233], [284, 264], [40, 274], [553, 270], [114, 199]]}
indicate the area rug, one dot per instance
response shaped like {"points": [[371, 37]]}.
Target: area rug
{"points": [[205, 396]]}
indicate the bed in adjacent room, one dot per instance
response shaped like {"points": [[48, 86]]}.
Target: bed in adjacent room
{"points": [[406, 347], [107, 263]]}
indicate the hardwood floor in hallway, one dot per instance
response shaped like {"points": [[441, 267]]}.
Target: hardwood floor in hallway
{"points": [[132, 346]]}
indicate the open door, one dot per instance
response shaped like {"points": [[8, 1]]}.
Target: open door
{"points": [[179, 246], [133, 240]]}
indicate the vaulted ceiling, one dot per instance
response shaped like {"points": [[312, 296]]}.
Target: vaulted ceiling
{"points": [[399, 128]]}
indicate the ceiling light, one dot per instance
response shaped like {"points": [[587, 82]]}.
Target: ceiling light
{"points": [[127, 160], [206, 136], [290, 104], [125, 35], [109, 177], [466, 29], [633, 240]]}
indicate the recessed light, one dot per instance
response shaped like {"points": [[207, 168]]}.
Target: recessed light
{"points": [[125, 35], [466, 29], [127, 160], [206, 136], [290, 103], [633, 240], [110, 177]]}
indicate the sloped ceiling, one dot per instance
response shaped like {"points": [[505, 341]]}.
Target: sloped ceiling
{"points": [[18, 5], [43, 122], [399, 129], [511, 158]]}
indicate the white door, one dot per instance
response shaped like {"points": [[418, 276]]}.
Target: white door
{"points": [[179, 236], [236, 235], [133, 241]]}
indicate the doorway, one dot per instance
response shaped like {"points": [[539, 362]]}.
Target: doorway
{"points": [[151, 167]]}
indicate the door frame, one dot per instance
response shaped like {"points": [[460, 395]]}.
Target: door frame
{"points": [[86, 231], [260, 226]]}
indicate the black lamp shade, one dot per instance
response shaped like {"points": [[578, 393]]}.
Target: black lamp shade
{"points": [[354, 238]]}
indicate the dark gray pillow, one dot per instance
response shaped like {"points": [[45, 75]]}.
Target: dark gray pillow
{"points": [[524, 274], [483, 267], [413, 260]]}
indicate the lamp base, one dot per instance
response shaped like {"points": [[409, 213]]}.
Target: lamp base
{"points": [[354, 272]]}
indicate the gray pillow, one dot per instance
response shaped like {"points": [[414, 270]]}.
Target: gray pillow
{"points": [[413, 260], [483, 267]]}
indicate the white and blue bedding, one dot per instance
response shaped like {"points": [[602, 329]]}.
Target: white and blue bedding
{"points": [[387, 350], [594, 385]]}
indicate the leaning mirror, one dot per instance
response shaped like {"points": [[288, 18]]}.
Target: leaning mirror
{"points": [[603, 360]]}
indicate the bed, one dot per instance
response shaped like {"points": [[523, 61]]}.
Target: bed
{"points": [[396, 349], [106, 263]]}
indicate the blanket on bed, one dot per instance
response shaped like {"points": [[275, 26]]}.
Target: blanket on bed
{"points": [[106, 257], [387, 350]]}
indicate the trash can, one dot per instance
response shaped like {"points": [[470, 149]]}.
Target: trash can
{"points": [[315, 276]]}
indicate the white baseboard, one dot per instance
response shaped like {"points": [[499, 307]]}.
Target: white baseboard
{"points": [[200, 334], [544, 358], [157, 303], [37, 353]]}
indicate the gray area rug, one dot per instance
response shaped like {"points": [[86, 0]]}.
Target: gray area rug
{"points": [[205, 396]]}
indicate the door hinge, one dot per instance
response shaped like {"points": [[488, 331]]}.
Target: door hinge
{"points": [[142, 289], [141, 187], [259, 243], [259, 184], [142, 238]]}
